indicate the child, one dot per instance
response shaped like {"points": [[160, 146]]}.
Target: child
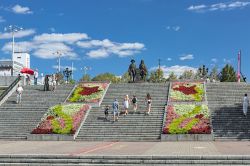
{"points": [[106, 112]]}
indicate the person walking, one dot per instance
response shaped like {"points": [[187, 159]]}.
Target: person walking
{"points": [[148, 101], [126, 105], [19, 92], [53, 82], [46, 83], [27, 79], [35, 76], [134, 102], [106, 112], [245, 104], [115, 110]]}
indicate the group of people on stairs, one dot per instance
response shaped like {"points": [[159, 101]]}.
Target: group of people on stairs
{"points": [[126, 103]]}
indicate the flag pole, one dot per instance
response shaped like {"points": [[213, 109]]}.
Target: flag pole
{"points": [[239, 65]]}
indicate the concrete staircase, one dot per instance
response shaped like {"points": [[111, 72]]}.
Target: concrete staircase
{"points": [[2, 89], [133, 127], [123, 160], [225, 103], [18, 120]]}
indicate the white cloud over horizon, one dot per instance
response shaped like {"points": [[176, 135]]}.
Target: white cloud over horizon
{"points": [[186, 57], [18, 9], [45, 45], [105, 48], [177, 69], [219, 6], [19, 34]]}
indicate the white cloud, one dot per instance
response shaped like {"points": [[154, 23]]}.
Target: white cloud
{"points": [[196, 7], [100, 53], [186, 57], [21, 10], [19, 47], [58, 37], [219, 6], [177, 69], [174, 28], [64, 67], [105, 48], [19, 34], [48, 51], [2, 19], [214, 60], [45, 45], [169, 59]]}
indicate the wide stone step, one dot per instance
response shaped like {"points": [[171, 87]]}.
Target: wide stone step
{"points": [[123, 160]]}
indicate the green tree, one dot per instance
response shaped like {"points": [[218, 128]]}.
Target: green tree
{"points": [[228, 74], [172, 77], [86, 77], [214, 74], [125, 77], [107, 77], [72, 81], [187, 75], [157, 76]]}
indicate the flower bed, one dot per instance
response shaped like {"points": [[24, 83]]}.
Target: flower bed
{"points": [[62, 119], [89, 92], [187, 119], [184, 91]]}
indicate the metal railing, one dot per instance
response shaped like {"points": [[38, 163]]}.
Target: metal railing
{"points": [[12, 85]]}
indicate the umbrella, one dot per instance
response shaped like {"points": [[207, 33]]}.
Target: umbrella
{"points": [[27, 71]]}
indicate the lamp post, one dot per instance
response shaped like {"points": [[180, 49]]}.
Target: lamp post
{"points": [[67, 73], [59, 54], [13, 29]]}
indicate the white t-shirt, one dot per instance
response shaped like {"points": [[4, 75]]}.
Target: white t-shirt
{"points": [[35, 74], [19, 90]]}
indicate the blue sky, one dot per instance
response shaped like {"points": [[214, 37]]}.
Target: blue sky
{"points": [[106, 34]]}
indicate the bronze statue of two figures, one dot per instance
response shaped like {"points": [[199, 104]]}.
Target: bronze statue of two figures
{"points": [[137, 74]]}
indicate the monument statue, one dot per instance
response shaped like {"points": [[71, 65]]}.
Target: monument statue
{"points": [[143, 70], [132, 70]]}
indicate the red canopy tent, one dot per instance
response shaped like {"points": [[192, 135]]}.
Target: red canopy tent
{"points": [[27, 71]]}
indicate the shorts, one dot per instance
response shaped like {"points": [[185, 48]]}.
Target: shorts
{"points": [[115, 112]]}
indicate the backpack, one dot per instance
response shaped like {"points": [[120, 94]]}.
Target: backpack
{"points": [[134, 100]]}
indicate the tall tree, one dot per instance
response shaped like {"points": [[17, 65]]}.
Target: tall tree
{"points": [[107, 77], [214, 74], [125, 77], [187, 75], [172, 77], [157, 76], [86, 77], [228, 74]]}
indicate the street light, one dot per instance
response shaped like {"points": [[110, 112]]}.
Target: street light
{"points": [[13, 29], [59, 54], [85, 69]]}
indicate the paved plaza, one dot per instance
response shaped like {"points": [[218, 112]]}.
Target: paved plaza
{"points": [[124, 148]]}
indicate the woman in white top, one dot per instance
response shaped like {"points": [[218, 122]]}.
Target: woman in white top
{"points": [[148, 101], [126, 104], [245, 104]]}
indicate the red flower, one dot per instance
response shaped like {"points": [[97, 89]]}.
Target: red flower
{"points": [[186, 90], [89, 90]]}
